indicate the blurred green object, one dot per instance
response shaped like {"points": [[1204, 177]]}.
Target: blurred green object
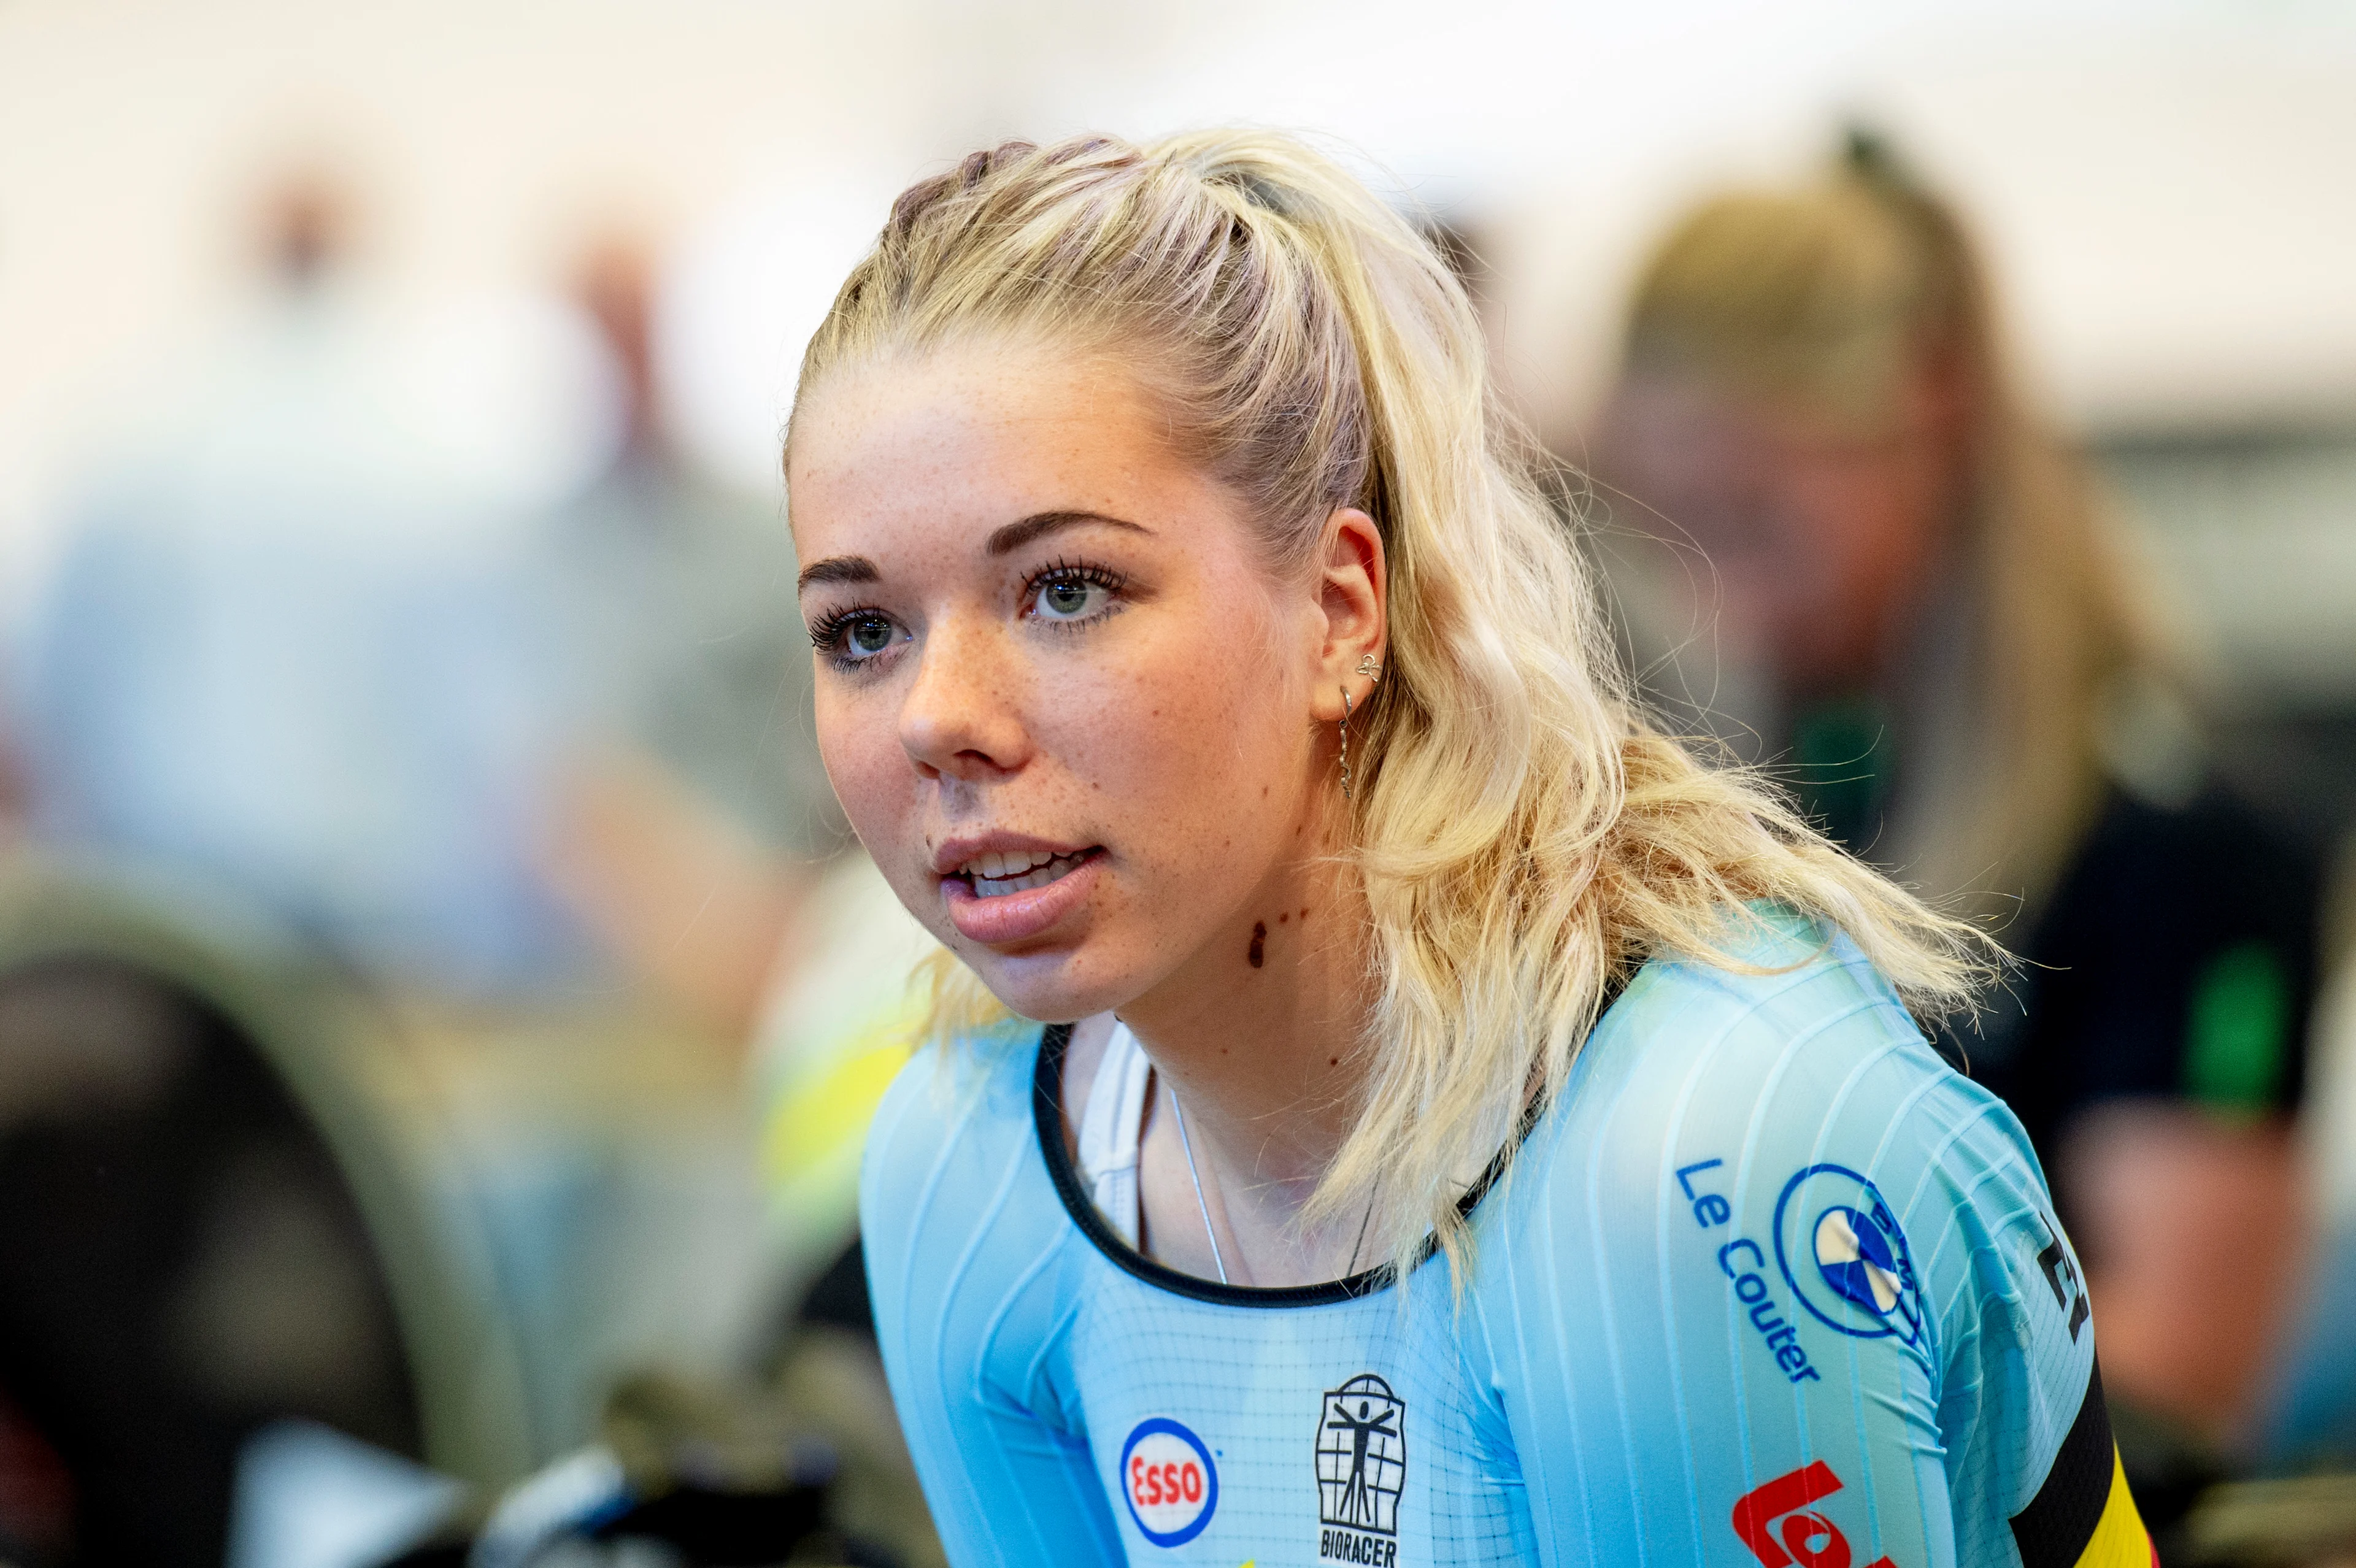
{"points": [[1840, 767], [2236, 1035]]}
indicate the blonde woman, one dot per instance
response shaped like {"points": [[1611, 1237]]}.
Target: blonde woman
{"points": [[1918, 603], [1464, 1128]]}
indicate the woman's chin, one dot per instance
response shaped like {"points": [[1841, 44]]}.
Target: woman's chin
{"points": [[1058, 987], [1029, 986]]}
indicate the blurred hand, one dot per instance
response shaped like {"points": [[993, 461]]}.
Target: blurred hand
{"points": [[2194, 1231]]}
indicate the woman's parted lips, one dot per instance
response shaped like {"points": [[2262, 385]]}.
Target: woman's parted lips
{"points": [[1005, 889], [996, 856]]}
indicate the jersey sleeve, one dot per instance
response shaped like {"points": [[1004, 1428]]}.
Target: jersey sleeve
{"points": [[1784, 1289], [962, 1238]]}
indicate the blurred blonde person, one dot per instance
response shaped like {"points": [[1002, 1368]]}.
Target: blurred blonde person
{"points": [[1911, 599]]}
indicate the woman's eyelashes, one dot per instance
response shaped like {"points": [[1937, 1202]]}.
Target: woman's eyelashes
{"points": [[1072, 593], [855, 636], [1066, 596]]}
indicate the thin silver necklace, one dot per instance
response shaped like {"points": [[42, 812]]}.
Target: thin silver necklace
{"points": [[1188, 1145], [1203, 1208]]}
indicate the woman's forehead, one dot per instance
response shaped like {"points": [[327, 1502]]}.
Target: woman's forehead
{"points": [[963, 415], [954, 449]]}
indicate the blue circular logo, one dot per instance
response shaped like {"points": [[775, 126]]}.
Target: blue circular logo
{"points": [[1842, 1254], [1170, 1483]]}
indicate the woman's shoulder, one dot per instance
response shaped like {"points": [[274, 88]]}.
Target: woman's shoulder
{"points": [[957, 1216], [1788, 1049], [1772, 1225], [958, 1108], [1782, 982]]}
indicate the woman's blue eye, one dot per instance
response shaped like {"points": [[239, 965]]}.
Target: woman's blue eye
{"points": [[1069, 598], [864, 636]]}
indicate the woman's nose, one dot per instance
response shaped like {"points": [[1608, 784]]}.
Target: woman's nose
{"points": [[962, 717]]}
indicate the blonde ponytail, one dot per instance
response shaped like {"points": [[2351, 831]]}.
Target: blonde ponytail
{"points": [[1525, 836]]}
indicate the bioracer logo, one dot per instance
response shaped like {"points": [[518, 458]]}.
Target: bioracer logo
{"points": [[1168, 1478], [1361, 1471]]}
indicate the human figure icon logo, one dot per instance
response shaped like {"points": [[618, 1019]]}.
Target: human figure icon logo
{"points": [[1362, 1456]]}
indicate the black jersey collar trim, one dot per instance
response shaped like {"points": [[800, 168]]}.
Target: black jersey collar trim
{"points": [[1048, 1105], [1047, 1101]]}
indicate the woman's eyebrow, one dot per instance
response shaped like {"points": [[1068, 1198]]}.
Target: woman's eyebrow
{"points": [[1039, 525], [838, 569], [1004, 541]]}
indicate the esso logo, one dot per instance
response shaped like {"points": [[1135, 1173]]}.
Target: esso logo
{"points": [[1170, 1483]]}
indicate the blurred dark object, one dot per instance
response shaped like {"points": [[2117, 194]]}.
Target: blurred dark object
{"points": [[839, 1299], [2306, 1521], [805, 1465], [183, 1261], [2175, 960], [203, 1231], [710, 1529], [2168, 1469]]}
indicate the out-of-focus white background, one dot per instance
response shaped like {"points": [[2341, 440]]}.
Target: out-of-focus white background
{"points": [[2164, 187]]}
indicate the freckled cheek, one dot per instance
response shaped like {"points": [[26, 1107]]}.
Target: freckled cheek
{"points": [[861, 748], [1176, 767]]}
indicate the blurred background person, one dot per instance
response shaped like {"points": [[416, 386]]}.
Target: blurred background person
{"points": [[288, 648], [274, 681], [1904, 596], [690, 811], [398, 658]]}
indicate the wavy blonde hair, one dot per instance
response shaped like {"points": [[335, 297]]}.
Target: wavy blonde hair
{"points": [[1525, 836]]}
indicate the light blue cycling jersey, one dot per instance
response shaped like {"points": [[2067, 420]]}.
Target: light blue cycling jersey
{"points": [[1767, 1283]]}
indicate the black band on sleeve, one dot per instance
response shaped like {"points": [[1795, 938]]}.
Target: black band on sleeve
{"points": [[2054, 1529]]}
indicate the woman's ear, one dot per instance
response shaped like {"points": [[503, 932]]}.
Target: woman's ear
{"points": [[1353, 590]]}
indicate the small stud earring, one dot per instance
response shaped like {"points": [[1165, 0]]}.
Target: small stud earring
{"points": [[1371, 667]]}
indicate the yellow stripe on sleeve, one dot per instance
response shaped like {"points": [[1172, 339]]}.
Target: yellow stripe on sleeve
{"points": [[2119, 1541]]}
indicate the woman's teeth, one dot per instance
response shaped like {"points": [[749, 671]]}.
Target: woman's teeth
{"points": [[995, 876]]}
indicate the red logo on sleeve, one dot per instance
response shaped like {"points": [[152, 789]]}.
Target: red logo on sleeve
{"points": [[1776, 1523]]}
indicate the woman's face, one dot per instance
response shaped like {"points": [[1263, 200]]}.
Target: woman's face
{"points": [[1823, 536], [1069, 709]]}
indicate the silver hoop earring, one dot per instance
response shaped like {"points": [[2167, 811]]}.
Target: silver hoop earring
{"points": [[1345, 743]]}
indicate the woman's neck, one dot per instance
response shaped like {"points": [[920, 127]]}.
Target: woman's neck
{"points": [[1259, 1039]]}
